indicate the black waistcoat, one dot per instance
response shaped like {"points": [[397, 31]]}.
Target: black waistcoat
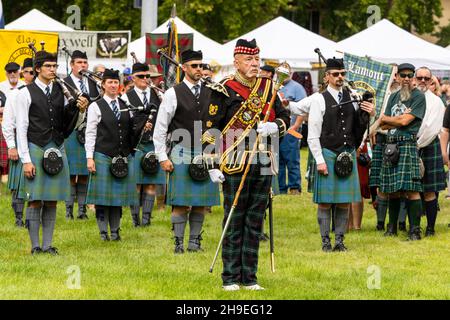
{"points": [[135, 100], [46, 116], [338, 123], [113, 137], [189, 110]]}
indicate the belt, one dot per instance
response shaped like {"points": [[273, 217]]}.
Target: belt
{"points": [[393, 139]]}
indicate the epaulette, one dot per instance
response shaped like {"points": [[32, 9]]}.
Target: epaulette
{"points": [[219, 87]]}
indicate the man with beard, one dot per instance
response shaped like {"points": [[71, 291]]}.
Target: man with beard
{"points": [[334, 133], [400, 171], [429, 147]]}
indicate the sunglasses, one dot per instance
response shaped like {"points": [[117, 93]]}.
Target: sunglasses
{"points": [[12, 71], [336, 74], [143, 76], [409, 75], [196, 65], [423, 78]]}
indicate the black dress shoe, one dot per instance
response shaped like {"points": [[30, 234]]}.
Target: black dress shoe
{"points": [[414, 234], [51, 250], [339, 245], [19, 223], [402, 226], [391, 230], [178, 246], [104, 236], [326, 244], [115, 236], [380, 226], [264, 237], [429, 232], [83, 216], [36, 250]]}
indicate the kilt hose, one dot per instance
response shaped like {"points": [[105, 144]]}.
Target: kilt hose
{"points": [[333, 189], [376, 162], [405, 176], [241, 242], [434, 178], [106, 190], [44, 187], [142, 177], [76, 155], [182, 190]]}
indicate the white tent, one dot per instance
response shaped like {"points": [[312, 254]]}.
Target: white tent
{"points": [[282, 39], [37, 21], [386, 42], [212, 50]]}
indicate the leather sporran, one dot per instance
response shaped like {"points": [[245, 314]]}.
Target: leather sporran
{"points": [[149, 163], [52, 163], [81, 133], [198, 169], [119, 167], [343, 165], [391, 154]]}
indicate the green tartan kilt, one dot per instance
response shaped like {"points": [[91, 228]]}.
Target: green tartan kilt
{"points": [[142, 177], [434, 178], [106, 190], [182, 190], [333, 189], [76, 155], [405, 176], [375, 165], [15, 174], [312, 168], [45, 187]]}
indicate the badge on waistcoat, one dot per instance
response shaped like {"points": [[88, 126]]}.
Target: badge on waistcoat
{"points": [[213, 108]]}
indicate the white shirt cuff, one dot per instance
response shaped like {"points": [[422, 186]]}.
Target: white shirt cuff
{"points": [[89, 155], [162, 157], [26, 158], [320, 160]]}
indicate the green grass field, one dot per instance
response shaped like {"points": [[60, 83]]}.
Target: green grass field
{"points": [[143, 266]]}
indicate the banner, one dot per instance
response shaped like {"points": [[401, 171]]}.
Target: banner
{"points": [[15, 46], [2, 18], [96, 44], [370, 75]]}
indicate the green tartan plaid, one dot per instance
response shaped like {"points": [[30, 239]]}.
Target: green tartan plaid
{"points": [[182, 190], [14, 175], [106, 190], [76, 155], [333, 189], [241, 241], [142, 177], [375, 165], [312, 168], [45, 187], [405, 176], [434, 178]]}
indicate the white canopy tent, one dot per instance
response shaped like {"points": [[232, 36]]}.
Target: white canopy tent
{"points": [[283, 40], [386, 42], [212, 50], [37, 21]]}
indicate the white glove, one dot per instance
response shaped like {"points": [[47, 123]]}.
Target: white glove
{"points": [[216, 176], [266, 129]]}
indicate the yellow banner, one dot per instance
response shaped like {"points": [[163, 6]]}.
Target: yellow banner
{"points": [[15, 46]]}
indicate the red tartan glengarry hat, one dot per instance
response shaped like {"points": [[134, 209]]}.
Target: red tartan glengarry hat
{"points": [[246, 47]]}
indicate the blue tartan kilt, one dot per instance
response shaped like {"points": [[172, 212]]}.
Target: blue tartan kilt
{"points": [[45, 187], [333, 189], [14, 175], [434, 178], [141, 177], [182, 190], [76, 155], [106, 190], [311, 171]]}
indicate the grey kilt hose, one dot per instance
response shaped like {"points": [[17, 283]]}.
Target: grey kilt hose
{"points": [[405, 176], [241, 241], [333, 189], [76, 155], [142, 177], [434, 178], [44, 187], [106, 190], [377, 160], [182, 190]]}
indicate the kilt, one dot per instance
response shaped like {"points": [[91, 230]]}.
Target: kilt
{"points": [[405, 176], [3, 154], [141, 177], [106, 190], [375, 165], [15, 174], [76, 155], [331, 188], [434, 178], [182, 190], [275, 186], [45, 187], [312, 168]]}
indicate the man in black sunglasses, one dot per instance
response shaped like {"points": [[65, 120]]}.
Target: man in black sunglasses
{"points": [[429, 148], [400, 171], [143, 95], [334, 133]]}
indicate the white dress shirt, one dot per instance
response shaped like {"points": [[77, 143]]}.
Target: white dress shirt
{"points": [[166, 113], [315, 121], [77, 82], [9, 119], [23, 102], [302, 107], [94, 116], [140, 94], [5, 86], [432, 122]]}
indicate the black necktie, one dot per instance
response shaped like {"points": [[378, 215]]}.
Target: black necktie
{"points": [[115, 109], [145, 98], [339, 97], [47, 91], [196, 91]]}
